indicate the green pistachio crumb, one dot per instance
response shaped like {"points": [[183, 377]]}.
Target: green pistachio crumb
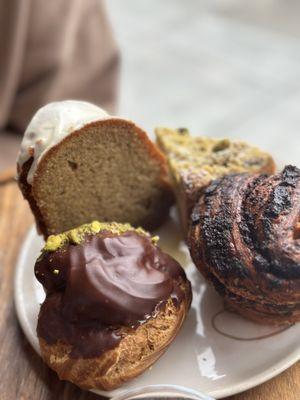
{"points": [[76, 235], [155, 239], [221, 145], [53, 242]]}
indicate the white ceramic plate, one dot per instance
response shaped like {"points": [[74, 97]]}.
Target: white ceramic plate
{"points": [[216, 352]]}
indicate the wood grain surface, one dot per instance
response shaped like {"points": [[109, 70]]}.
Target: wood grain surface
{"points": [[23, 374]]}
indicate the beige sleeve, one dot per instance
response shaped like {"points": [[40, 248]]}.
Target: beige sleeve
{"points": [[54, 50]]}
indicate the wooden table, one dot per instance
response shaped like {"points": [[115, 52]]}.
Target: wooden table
{"points": [[22, 373]]}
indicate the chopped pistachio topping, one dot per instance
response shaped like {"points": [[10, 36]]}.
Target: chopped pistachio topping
{"points": [[76, 235], [155, 239], [53, 242]]}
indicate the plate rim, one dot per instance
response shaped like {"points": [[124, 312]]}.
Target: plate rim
{"points": [[247, 384]]}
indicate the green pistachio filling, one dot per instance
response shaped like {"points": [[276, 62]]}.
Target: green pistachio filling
{"points": [[76, 235]]}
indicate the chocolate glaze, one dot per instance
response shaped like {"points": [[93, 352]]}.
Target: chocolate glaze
{"points": [[106, 282]]}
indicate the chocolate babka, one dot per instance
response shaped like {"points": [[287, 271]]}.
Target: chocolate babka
{"points": [[245, 239]]}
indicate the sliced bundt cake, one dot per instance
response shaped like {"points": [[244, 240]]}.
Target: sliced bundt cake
{"points": [[77, 164]]}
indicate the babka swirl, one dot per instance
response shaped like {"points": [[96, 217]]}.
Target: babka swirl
{"points": [[245, 239]]}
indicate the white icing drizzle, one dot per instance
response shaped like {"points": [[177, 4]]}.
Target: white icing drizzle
{"points": [[51, 124]]}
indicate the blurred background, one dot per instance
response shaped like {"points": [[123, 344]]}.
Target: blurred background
{"points": [[224, 68]]}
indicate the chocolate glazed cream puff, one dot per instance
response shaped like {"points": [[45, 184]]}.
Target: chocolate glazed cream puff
{"points": [[114, 302], [245, 239]]}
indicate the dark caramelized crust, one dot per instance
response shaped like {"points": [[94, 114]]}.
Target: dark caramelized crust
{"points": [[260, 311], [245, 239], [26, 190]]}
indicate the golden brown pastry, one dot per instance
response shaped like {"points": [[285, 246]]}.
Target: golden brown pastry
{"points": [[114, 302], [194, 161], [77, 163], [245, 239]]}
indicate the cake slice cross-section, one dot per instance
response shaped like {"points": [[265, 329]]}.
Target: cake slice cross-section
{"points": [[194, 161], [77, 164]]}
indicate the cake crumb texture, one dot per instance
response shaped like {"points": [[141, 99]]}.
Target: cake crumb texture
{"points": [[107, 171]]}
